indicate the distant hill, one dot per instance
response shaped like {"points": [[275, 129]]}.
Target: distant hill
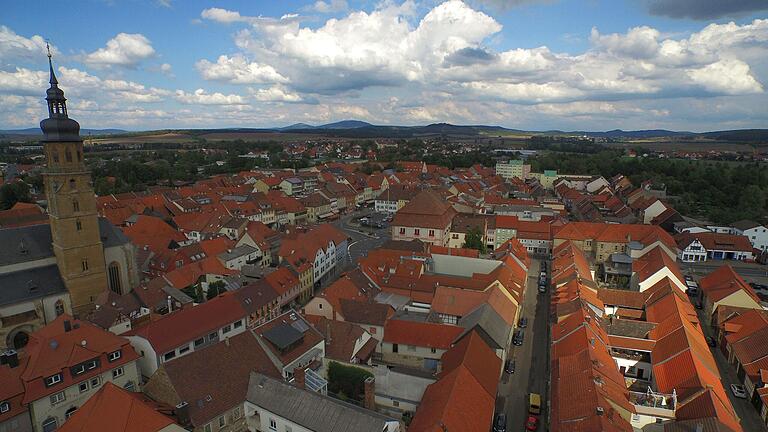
{"points": [[344, 124], [83, 132]]}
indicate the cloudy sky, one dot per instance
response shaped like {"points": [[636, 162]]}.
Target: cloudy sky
{"points": [[531, 64]]}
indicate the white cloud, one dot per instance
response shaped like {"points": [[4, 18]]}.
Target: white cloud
{"points": [[238, 70], [23, 81], [123, 50], [330, 7], [201, 97], [82, 84], [276, 93], [13, 46], [166, 68], [730, 77], [222, 15]]}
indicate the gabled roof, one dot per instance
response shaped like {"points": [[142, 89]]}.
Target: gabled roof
{"points": [[422, 334], [724, 282], [116, 410]]}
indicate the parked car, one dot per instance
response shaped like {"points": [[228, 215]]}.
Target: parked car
{"points": [[542, 287], [532, 423], [518, 337], [500, 423], [509, 366], [688, 278], [738, 391], [523, 323]]}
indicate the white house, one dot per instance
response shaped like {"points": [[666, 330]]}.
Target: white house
{"points": [[756, 233]]}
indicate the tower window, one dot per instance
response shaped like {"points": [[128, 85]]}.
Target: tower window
{"points": [[72, 183], [79, 225], [55, 156], [85, 264], [79, 156], [114, 277], [75, 205], [68, 155]]}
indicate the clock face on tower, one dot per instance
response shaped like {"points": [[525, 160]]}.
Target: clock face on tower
{"points": [[72, 204]]}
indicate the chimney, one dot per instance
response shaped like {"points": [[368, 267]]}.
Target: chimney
{"points": [[369, 386], [67, 326], [12, 358], [299, 377], [182, 414]]}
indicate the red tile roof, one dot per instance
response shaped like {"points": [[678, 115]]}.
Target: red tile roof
{"points": [[724, 282], [422, 334]]}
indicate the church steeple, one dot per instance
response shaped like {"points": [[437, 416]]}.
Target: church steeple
{"points": [[72, 206], [58, 125]]}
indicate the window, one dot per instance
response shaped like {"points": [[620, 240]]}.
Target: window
{"points": [[455, 236], [49, 425], [433, 350], [394, 348], [95, 382], [402, 231], [58, 397], [431, 233], [236, 413], [117, 372], [179, 263], [238, 324], [83, 386], [395, 403], [184, 349], [56, 156], [91, 364], [169, 355], [199, 342], [53, 379], [222, 421], [75, 205], [213, 336], [114, 355], [272, 424], [72, 183], [207, 428], [68, 155], [416, 231], [77, 370], [59, 307], [85, 264], [78, 225], [227, 328], [4, 407]]}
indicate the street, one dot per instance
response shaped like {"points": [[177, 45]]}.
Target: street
{"points": [[751, 272], [361, 239], [532, 361], [750, 418]]}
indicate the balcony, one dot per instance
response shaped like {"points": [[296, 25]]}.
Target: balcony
{"points": [[654, 404]]}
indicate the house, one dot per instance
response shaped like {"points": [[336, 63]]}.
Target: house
{"points": [[345, 342], [417, 344], [291, 342], [462, 224], [118, 410], [653, 267], [513, 168], [292, 186], [321, 248], [63, 365], [260, 302], [273, 405], [600, 240], [724, 287], [705, 246], [755, 232], [187, 330], [395, 197], [427, 217], [742, 345], [212, 402], [236, 258]]}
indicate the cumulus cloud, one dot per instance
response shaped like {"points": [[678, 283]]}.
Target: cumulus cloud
{"points": [[705, 9], [14, 46], [82, 84], [23, 81], [276, 93], [238, 70], [201, 97], [125, 50]]}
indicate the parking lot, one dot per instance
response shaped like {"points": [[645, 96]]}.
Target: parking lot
{"points": [[362, 237]]}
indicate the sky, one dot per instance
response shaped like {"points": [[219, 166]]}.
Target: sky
{"points": [[695, 65]]}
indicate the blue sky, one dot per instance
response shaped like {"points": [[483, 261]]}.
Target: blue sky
{"points": [[529, 64]]}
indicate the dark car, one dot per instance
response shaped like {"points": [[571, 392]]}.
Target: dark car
{"points": [[500, 423], [542, 288], [518, 338], [523, 323], [509, 366]]}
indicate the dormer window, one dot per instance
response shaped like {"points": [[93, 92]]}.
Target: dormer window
{"points": [[115, 355], [77, 370], [4, 407], [53, 380]]}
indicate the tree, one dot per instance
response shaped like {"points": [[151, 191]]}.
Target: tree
{"points": [[474, 240], [215, 288], [347, 380], [11, 193]]}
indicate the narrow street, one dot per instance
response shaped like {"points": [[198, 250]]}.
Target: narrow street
{"points": [[750, 418], [532, 363]]}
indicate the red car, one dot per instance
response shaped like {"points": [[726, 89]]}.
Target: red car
{"points": [[532, 423]]}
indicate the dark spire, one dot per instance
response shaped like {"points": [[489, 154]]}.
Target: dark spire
{"points": [[53, 80], [58, 126]]}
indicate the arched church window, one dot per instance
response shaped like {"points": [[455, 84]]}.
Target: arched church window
{"points": [[113, 273], [75, 205]]}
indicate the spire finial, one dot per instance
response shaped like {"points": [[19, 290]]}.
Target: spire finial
{"points": [[53, 79]]}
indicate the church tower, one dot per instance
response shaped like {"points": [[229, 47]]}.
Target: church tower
{"points": [[71, 204]]}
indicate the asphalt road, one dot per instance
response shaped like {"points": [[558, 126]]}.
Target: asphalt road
{"points": [[750, 418], [361, 239], [532, 362], [751, 272]]}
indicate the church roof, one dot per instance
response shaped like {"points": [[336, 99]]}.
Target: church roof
{"points": [[31, 283]]}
